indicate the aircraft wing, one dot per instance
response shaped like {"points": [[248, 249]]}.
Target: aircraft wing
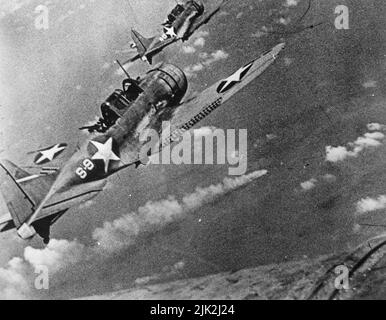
{"points": [[206, 17], [190, 113]]}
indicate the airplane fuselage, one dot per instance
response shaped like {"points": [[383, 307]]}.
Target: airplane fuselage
{"points": [[180, 28], [163, 88], [150, 101], [84, 174]]}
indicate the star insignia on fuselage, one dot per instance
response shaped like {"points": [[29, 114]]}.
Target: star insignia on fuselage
{"points": [[105, 152], [229, 82], [49, 154], [170, 31]]}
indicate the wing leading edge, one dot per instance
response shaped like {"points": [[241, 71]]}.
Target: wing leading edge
{"points": [[206, 18], [193, 111]]}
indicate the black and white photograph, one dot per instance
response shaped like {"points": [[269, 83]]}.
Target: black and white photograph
{"points": [[209, 151]]}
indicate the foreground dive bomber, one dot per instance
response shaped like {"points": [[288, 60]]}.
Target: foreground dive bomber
{"points": [[36, 201]]}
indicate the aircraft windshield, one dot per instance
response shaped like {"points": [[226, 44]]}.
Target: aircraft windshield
{"points": [[174, 14], [116, 105], [131, 90]]}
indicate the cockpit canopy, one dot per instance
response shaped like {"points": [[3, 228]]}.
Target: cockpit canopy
{"points": [[198, 6], [120, 100], [178, 9], [116, 105]]}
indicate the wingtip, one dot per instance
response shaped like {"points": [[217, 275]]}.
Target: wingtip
{"points": [[277, 49]]}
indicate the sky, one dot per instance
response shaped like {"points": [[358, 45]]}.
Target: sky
{"points": [[315, 120]]}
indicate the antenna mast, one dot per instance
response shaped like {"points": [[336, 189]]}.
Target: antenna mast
{"points": [[123, 69]]}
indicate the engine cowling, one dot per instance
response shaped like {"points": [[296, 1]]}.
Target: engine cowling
{"points": [[171, 79]]}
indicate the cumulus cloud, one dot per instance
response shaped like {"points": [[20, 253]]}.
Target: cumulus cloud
{"points": [[18, 275], [207, 60], [155, 215], [284, 21], [56, 255], [313, 182], [198, 42], [288, 61], [370, 84], [370, 204], [340, 153], [201, 34], [62, 257], [189, 49], [291, 3], [13, 282], [375, 127], [258, 34], [308, 185]]}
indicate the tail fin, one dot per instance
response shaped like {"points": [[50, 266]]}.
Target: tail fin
{"points": [[141, 42], [21, 191]]}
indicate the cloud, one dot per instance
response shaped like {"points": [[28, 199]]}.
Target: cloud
{"points": [[312, 183], [13, 283], [217, 55], [375, 127], [65, 258], [188, 49], [155, 215], [258, 34], [336, 154], [56, 255], [291, 3], [288, 61], [207, 60], [17, 277], [370, 204], [340, 153], [308, 185], [356, 228], [284, 21], [201, 34], [199, 42], [370, 84], [167, 271]]}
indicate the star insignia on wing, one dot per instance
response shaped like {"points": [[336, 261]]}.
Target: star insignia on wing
{"points": [[169, 31], [50, 153], [105, 152], [229, 82]]}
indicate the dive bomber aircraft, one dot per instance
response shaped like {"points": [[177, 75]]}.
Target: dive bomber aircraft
{"points": [[181, 23], [36, 201]]}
